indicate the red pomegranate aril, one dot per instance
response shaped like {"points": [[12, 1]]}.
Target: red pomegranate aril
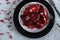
{"points": [[25, 23], [41, 18], [23, 17], [35, 16], [35, 8], [27, 17], [31, 6], [46, 20], [29, 22], [45, 12], [39, 25], [32, 26], [26, 12], [7, 0]]}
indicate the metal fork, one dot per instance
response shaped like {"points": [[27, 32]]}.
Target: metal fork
{"points": [[53, 4]]}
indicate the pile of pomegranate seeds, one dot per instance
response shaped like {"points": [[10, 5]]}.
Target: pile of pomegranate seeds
{"points": [[35, 16]]}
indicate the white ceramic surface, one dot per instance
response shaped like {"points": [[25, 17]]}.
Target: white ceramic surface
{"points": [[25, 27]]}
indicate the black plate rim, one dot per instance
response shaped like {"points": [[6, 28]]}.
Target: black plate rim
{"points": [[29, 34]]}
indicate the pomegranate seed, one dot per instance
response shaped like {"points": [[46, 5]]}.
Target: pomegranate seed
{"points": [[1, 34], [2, 21], [35, 13], [10, 36], [14, 2], [8, 18], [7, 32], [9, 26], [3, 10], [8, 12], [0, 3], [7, 2], [11, 22]]}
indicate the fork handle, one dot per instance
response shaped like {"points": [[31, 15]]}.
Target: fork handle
{"points": [[57, 11]]}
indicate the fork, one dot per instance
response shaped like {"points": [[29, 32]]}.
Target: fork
{"points": [[53, 4]]}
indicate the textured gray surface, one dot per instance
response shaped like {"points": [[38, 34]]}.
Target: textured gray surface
{"points": [[54, 34]]}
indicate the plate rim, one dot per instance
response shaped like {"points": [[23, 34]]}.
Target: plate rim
{"points": [[24, 32]]}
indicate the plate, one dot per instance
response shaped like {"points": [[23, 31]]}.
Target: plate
{"points": [[30, 34], [32, 29]]}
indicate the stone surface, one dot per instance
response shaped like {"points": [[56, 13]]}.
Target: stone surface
{"points": [[10, 33]]}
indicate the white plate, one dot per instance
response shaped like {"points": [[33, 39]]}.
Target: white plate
{"points": [[20, 20]]}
